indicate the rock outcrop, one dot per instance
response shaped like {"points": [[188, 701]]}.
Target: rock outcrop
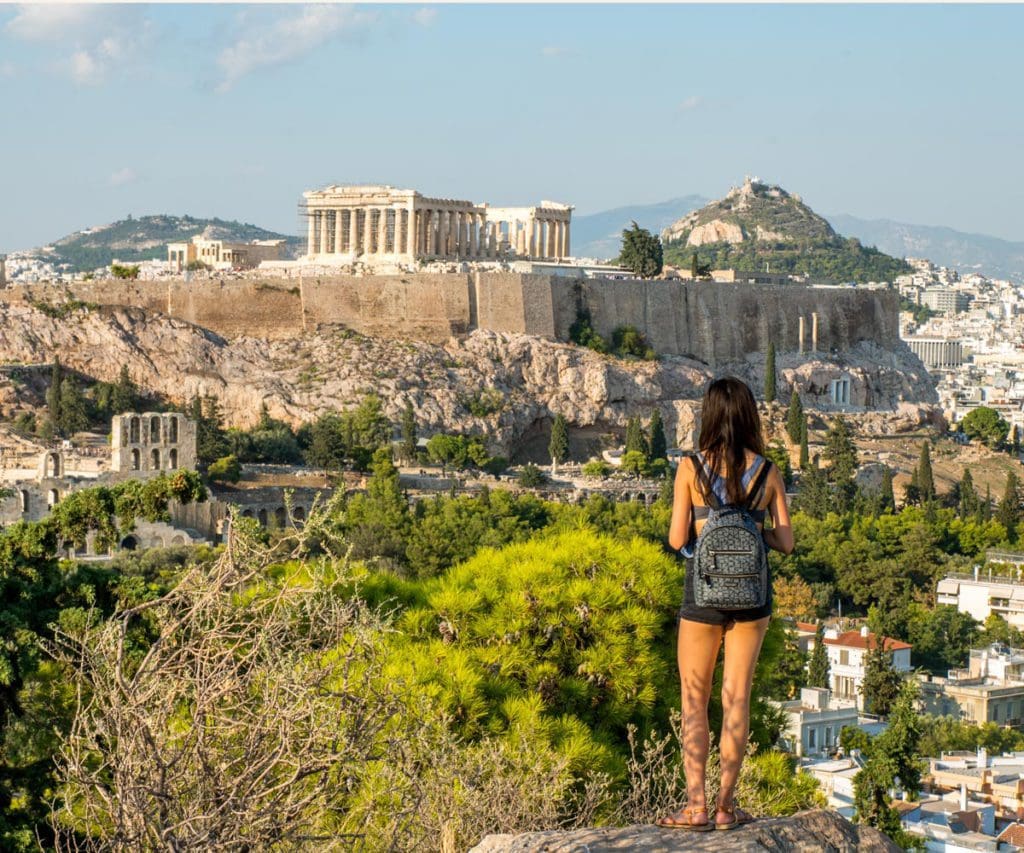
{"points": [[506, 386], [815, 831]]}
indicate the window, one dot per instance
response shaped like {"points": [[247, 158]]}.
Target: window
{"points": [[844, 657], [828, 736], [812, 738], [155, 461], [995, 713]]}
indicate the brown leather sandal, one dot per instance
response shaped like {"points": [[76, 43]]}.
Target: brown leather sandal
{"points": [[739, 817], [687, 812]]}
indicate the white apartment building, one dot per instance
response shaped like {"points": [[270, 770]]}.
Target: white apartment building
{"points": [[980, 597], [847, 660], [814, 721]]}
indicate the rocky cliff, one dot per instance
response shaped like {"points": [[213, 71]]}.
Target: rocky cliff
{"points": [[450, 385], [807, 832]]}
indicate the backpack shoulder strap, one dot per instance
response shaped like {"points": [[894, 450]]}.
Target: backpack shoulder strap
{"points": [[753, 496], [705, 483]]}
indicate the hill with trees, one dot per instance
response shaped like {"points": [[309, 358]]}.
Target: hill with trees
{"points": [[146, 238], [760, 226]]}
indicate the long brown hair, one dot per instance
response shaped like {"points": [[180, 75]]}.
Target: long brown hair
{"points": [[729, 427]]}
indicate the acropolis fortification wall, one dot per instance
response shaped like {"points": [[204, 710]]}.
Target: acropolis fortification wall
{"points": [[711, 321]]}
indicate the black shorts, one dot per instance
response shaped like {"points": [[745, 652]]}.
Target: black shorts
{"points": [[712, 615]]}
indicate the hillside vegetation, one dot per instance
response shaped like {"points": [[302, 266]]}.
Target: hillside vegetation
{"points": [[758, 227], [146, 238]]}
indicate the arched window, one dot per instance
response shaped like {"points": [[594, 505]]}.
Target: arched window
{"points": [[248, 514], [172, 428], [135, 459], [262, 516], [154, 428], [52, 497], [135, 431], [172, 458], [24, 500], [129, 543], [154, 459], [299, 514], [280, 516]]}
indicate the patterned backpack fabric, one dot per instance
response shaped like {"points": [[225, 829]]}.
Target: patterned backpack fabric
{"points": [[730, 558]]}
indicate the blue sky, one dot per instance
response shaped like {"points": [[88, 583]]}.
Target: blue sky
{"points": [[903, 112]]}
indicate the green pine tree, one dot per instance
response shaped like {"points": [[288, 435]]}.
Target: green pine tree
{"points": [[818, 674], [124, 396], [658, 443], [969, 503], [769, 374], [558, 446], [635, 438], [986, 507], [641, 252], [925, 479], [886, 495], [409, 437], [795, 418], [882, 682]]}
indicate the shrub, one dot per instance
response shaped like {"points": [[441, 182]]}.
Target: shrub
{"points": [[531, 477], [227, 469]]}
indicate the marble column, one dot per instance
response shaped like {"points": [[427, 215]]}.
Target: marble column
{"points": [[525, 238], [323, 232], [399, 246], [474, 236], [337, 231], [814, 331], [456, 233], [367, 231], [353, 231], [492, 241], [444, 225], [382, 231], [311, 238], [411, 233], [800, 333], [552, 251]]}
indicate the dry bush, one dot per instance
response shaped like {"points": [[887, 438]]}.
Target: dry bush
{"points": [[241, 726]]}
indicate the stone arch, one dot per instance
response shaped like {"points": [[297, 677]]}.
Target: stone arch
{"points": [[262, 516], [52, 497], [24, 501], [130, 543], [154, 459], [136, 459], [172, 458], [154, 429], [52, 464], [299, 514], [178, 539], [135, 430], [172, 428], [280, 516]]}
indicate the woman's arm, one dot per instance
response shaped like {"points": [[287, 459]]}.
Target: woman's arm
{"points": [[780, 536], [682, 507]]}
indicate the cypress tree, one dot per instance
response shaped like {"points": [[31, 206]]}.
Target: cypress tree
{"points": [[986, 509], [124, 395], [658, 443], [1008, 511], [769, 374], [74, 414], [925, 479], [804, 451], [53, 406], [818, 674], [694, 267], [1015, 440], [912, 491], [558, 446], [886, 495], [882, 682], [795, 418], [408, 432], [969, 503], [635, 439]]}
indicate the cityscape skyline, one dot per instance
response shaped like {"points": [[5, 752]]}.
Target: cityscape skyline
{"points": [[233, 111]]}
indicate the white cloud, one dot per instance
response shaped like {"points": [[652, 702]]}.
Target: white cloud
{"points": [[690, 103], [122, 177], [425, 16], [554, 50], [94, 42], [287, 38]]}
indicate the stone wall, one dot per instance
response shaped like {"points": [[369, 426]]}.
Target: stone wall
{"points": [[710, 321]]}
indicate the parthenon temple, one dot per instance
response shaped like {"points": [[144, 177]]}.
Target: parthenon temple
{"points": [[346, 223]]}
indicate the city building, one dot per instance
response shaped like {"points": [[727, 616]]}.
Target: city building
{"points": [[990, 689], [380, 223], [937, 353], [835, 778], [950, 823], [222, 254], [847, 660], [980, 597], [997, 780], [945, 300], [814, 721]]}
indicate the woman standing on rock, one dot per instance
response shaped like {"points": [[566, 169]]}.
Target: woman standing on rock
{"points": [[722, 495]]}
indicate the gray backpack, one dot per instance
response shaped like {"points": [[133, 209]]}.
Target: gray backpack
{"points": [[730, 558]]}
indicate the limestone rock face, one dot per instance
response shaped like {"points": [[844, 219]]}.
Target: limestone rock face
{"points": [[715, 231], [806, 832], [503, 385]]}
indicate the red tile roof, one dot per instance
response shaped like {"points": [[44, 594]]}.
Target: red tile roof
{"points": [[1013, 834], [854, 640], [806, 626]]}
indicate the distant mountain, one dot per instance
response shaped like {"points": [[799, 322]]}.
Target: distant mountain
{"points": [[989, 256], [599, 235], [145, 238], [760, 226]]}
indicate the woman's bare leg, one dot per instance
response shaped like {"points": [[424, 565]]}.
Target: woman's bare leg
{"points": [[742, 646], [698, 652]]}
